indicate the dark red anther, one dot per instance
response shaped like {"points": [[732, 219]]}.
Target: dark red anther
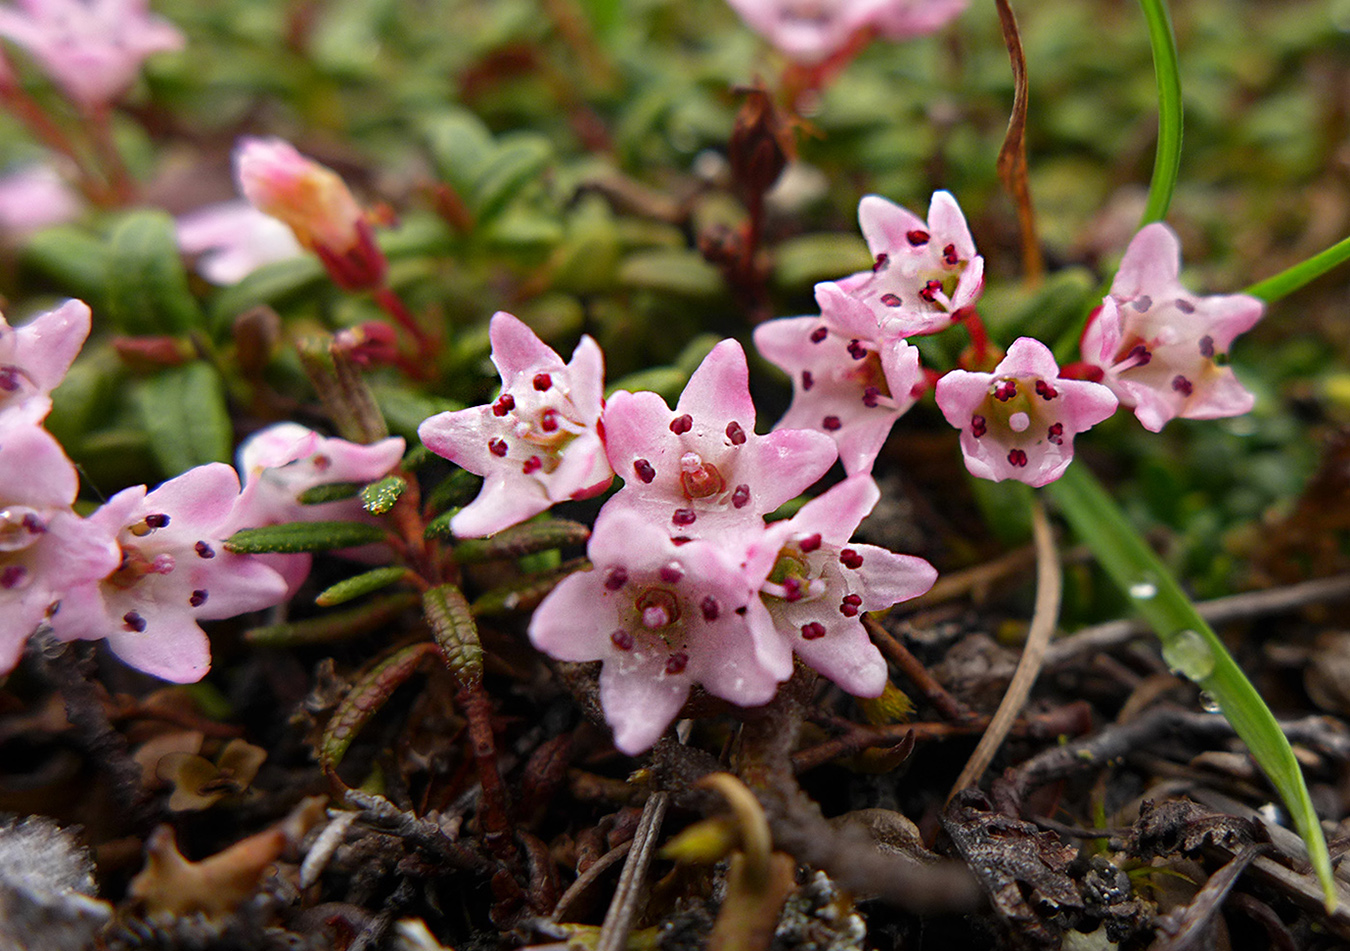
{"points": [[882, 260], [34, 525], [710, 608], [1206, 346], [810, 543], [532, 465], [684, 517], [197, 598], [1017, 458], [1185, 306], [871, 395], [918, 237], [831, 423], [1142, 303], [930, 291], [813, 631], [12, 576], [1056, 434], [10, 378], [671, 573], [1005, 390], [949, 257], [133, 622], [505, 403], [497, 446], [856, 350], [677, 663], [204, 550], [741, 496], [644, 470], [808, 380], [622, 640], [616, 578], [157, 520], [1182, 385], [850, 606], [891, 300], [792, 589], [850, 558], [978, 426], [1140, 355], [1045, 391], [321, 463], [735, 433], [542, 381], [548, 420], [819, 334], [681, 424]]}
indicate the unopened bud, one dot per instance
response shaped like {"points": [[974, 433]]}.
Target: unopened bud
{"points": [[152, 353], [761, 144]]}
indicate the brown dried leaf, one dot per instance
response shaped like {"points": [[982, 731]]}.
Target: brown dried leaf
{"points": [[170, 884]]}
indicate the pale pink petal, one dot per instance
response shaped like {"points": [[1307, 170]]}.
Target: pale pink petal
{"points": [[501, 503], [640, 701], [720, 388], [1153, 260], [517, 350]]}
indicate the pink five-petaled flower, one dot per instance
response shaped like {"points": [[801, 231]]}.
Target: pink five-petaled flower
{"points": [[819, 583], [32, 198], [701, 471], [317, 205], [539, 442], [34, 359], [174, 572], [92, 49], [284, 460], [662, 617], [848, 380], [809, 31], [234, 239], [1156, 343], [924, 272], [1019, 421], [45, 548]]}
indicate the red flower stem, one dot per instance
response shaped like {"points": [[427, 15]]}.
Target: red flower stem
{"points": [[473, 700], [979, 337], [110, 160], [393, 305], [1080, 370], [800, 80], [27, 110]]}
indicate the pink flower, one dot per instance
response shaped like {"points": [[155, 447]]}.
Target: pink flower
{"points": [[819, 583], [45, 548], [92, 49], [34, 359], [1156, 343], [33, 198], [813, 30], [281, 462], [662, 617], [539, 442], [924, 272], [234, 239], [1019, 421], [848, 381], [701, 471], [311, 198], [174, 572]]}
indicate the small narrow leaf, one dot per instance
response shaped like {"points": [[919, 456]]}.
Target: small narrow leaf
{"points": [[362, 584], [455, 489], [293, 537], [334, 626], [524, 539], [329, 492], [439, 527], [147, 285], [364, 700], [525, 593], [183, 410], [452, 623], [379, 497]]}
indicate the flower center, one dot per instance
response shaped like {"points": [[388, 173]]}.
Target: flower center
{"points": [[699, 479], [658, 608]]}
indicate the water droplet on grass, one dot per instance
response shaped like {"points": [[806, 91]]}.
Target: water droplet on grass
{"points": [[1186, 653]]}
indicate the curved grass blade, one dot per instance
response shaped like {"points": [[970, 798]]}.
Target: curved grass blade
{"points": [[1191, 647], [1291, 279], [1167, 160]]}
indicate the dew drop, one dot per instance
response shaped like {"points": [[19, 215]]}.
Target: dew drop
{"points": [[1186, 653], [1209, 703], [1143, 590]]}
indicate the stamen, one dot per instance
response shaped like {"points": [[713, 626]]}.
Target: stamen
{"points": [[819, 334], [1185, 306], [542, 381], [871, 395], [497, 446], [684, 517], [856, 350], [133, 622], [532, 465], [1056, 434], [930, 291], [198, 598], [851, 559], [13, 576], [644, 470], [850, 605], [1182, 385], [677, 663], [949, 257], [808, 380], [320, 462], [891, 300], [616, 578], [622, 640], [681, 424], [735, 433], [548, 421], [505, 403], [672, 572], [1206, 346], [810, 543], [792, 589], [831, 423], [710, 608], [1045, 391], [1005, 390], [1142, 303], [918, 237], [1017, 458], [204, 550], [813, 631], [741, 496], [9, 378], [978, 426], [882, 260]]}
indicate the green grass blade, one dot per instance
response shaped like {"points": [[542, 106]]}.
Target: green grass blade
{"points": [[1291, 279], [1167, 161], [1190, 646]]}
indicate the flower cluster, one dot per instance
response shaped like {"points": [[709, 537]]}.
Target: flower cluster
{"points": [[689, 584], [143, 569]]}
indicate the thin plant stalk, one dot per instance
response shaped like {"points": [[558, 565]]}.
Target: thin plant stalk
{"points": [[1291, 279], [1167, 161]]}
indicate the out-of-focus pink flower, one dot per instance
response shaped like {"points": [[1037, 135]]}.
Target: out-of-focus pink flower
{"points": [[279, 463], [809, 31], [46, 550], [234, 239], [1156, 342], [847, 380], [924, 271], [539, 442], [819, 583], [662, 617], [174, 572], [701, 471], [92, 49], [1019, 421], [32, 198], [34, 359]]}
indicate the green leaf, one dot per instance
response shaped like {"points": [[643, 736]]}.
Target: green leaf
{"points": [[524, 539], [270, 284], [1191, 646], [804, 261], [329, 492], [461, 147], [147, 285], [379, 497], [334, 626], [74, 258], [295, 537], [517, 161], [679, 272], [1167, 161], [184, 412], [351, 588], [525, 593], [439, 527], [455, 489], [451, 622], [368, 694], [1291, 279]]}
